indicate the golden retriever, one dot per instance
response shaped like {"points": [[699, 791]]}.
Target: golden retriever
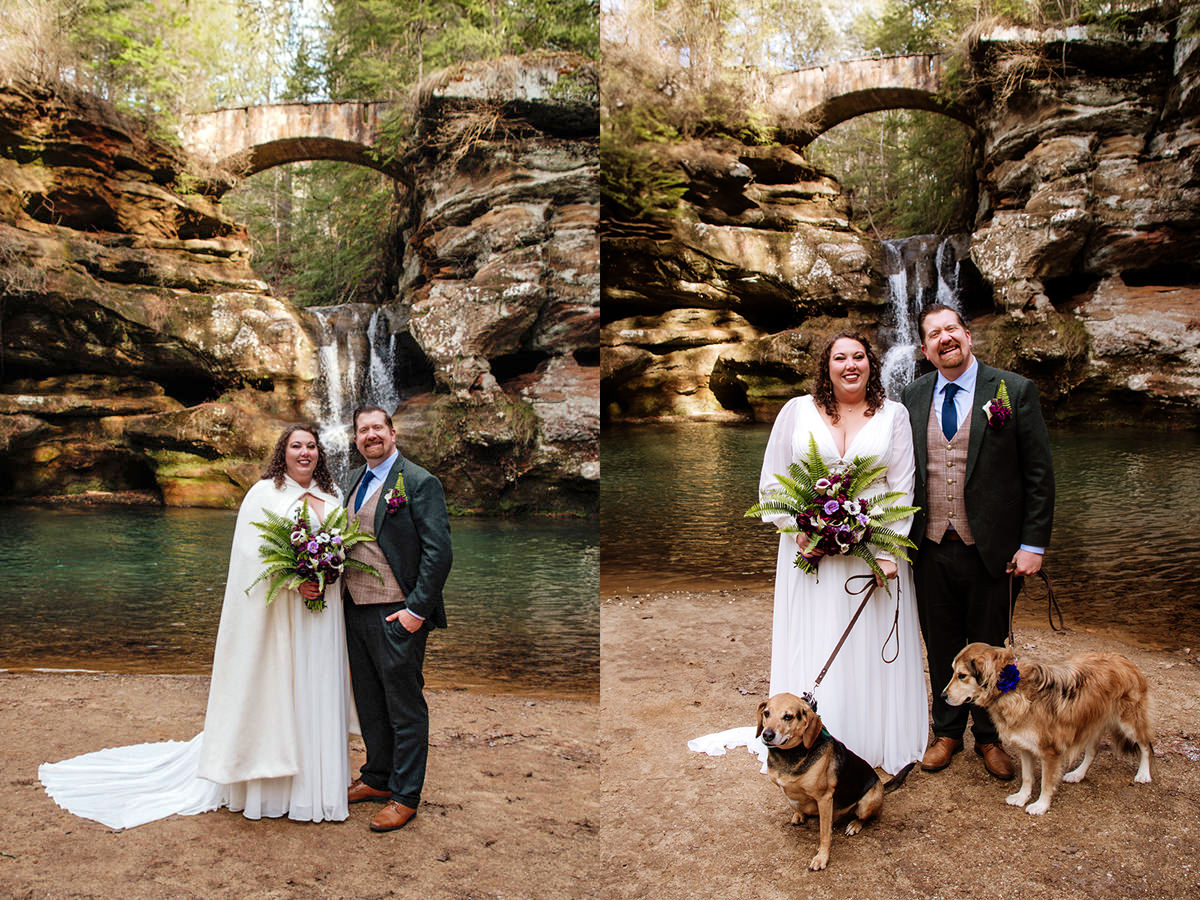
{"points": [[816, 772], [1056, 711]]}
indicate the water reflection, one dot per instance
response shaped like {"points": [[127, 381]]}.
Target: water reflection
{"points": [[140, 590], [1125, 554]]}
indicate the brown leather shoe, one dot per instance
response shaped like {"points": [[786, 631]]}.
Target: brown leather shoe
{"points": [[998, 763], [937, 757], [360, 791], [394, 815]]}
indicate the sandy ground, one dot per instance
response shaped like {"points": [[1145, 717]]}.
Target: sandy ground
{"points": [[510, 810], [683, 825]]}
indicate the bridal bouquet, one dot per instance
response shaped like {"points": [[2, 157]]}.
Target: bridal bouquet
{"points": [[295, 551], [831, 512]]}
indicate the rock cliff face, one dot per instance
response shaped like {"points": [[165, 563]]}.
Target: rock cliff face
{"points": [[140, 352], [1090, 207], [501, 287], [1086, 243], [700, 318], [142, 359]]}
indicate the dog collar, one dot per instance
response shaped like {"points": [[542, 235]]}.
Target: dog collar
{"points": [[1010, 677]]}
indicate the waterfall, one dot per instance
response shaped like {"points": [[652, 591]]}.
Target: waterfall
{"points": [[920, 270], [381, 381], [355, 354]]}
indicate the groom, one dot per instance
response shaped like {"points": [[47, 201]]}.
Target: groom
{"points": [[402, 505], [985, 485]]}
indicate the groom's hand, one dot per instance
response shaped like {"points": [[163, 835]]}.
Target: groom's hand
{"points": [[1025, 563], [410, 622]]}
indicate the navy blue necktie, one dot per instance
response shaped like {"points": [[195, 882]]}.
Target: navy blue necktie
{"points": [[362, 489], [949, 413]]}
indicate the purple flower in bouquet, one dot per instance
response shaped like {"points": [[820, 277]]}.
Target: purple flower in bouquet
{"points": [[312, 546], [832, 514]]}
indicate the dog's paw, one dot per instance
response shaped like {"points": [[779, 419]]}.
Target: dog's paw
{"points": [[1142, 778], [1073, 777], [855, 826], [797, 818], [1020, 798], [1038, 807], [819, 862]]}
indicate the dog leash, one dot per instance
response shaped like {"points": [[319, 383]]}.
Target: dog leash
{"points": [[1052, 607], [869, 589]]}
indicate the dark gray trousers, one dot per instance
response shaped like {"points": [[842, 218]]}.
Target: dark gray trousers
{"points": [[385, 673], [959, 603]]}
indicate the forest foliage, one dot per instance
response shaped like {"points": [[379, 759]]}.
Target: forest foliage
{"points": [[322, 232]]}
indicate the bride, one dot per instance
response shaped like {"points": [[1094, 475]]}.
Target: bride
{"points": [[876, 709], [274, 738]]}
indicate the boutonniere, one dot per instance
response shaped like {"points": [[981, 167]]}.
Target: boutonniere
{"points": [[396, 498], [998, 410], [1010, 677]]}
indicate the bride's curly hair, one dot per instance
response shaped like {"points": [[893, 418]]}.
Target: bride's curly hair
{"points": [[277, 465], [823, 392]]}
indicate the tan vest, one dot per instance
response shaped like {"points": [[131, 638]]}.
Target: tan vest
{"points": [[946, 477], [364, 589]]}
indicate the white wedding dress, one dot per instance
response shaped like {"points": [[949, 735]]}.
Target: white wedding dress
{"points": [[275, 738], [878, 710]]}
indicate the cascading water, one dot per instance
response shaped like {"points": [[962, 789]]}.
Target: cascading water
{"points": [[920, 270], [381, 381], [356, 353]]}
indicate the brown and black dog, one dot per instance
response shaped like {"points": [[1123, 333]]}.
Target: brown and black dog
{"points": [[816, 772]]}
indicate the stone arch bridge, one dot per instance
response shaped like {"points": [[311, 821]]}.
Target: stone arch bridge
{"points": [[253, 138], [804, 104], [554, 92]]}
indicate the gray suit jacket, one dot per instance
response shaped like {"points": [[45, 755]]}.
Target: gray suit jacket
{"points": [[1009, 491], [415, 539]]}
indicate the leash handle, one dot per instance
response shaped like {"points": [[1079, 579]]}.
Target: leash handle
{"points": [[869, 589], [895, 630], [1052, 607]]}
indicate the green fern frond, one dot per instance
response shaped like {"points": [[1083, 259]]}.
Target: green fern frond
{"points": [[1002, 394], [364, 567], [865, 475], [814, 463], [863, 552], [773, 505], [893, 514]]}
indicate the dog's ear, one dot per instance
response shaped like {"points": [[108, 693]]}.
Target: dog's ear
{"points": [[975, 665], [982, 666], [812, 729], [761, 709]]}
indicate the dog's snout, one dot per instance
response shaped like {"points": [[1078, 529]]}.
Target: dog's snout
{"points": [[768, 735], [945, 696]]}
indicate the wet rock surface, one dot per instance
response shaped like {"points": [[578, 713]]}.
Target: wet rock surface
{"points": [[762, 243], [142, 353], [1085, 241], [1089, 210]]}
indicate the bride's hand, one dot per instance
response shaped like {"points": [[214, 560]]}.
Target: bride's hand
{"points": [[889, 569], [802, 542], [309, 590]]}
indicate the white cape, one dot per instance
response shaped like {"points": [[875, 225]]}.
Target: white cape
{"points": [[265, 749], [250, 728]]}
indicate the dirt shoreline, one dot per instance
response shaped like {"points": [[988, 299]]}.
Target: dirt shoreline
{"points": [[510, 810], [679, 664]]}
